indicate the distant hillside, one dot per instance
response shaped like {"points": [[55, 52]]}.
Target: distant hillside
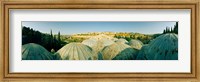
{"points": [[145, 38]]}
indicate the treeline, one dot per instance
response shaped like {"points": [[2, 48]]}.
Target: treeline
{"points": [[142, 37], [49, 41], [172, 29]]}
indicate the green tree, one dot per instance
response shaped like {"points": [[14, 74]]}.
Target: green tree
{"points": [[46, 40], [176, 28], [59, 37], [127, 38], [51, 39], [164, 31], [172, 29]]}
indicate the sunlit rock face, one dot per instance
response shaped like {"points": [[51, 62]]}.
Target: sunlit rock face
{"points": [[121, 40], [119, 51], [135, 44], [164, 47], [32, 51], [75, 51]]}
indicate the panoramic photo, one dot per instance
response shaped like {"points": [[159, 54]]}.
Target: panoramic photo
{"points": [[60, 40]]}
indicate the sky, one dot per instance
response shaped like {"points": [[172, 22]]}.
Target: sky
{"points": [[69, 28]]}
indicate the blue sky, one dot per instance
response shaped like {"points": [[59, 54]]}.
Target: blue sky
{"points": [[84, 27]]}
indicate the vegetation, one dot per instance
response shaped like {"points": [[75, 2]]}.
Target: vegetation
{"points": [[46, 40], [142, 37], [171, 30]]}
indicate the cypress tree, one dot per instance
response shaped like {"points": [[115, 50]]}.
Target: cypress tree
{"points": [[167, 30], [176, 28], [164, 31], [171, 30], [59, 36], [59, 40], [51, 39]]}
